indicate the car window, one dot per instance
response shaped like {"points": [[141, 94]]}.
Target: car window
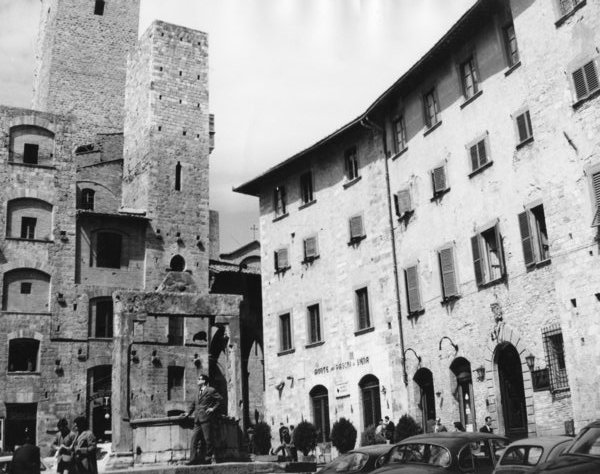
{"points": [[558, 450], [588, 442], [421, 453], [498, 447], [349, 462], [522, 456]]}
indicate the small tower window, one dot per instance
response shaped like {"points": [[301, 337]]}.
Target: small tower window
{"points": [[99, 8], [178, 177], [87, 199], [30, 153], [177, 263]]}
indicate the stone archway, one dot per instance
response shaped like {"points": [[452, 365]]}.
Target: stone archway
{"points": [[512, 407], [424, 380]]}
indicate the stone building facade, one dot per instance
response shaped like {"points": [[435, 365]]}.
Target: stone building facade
{"points": [[475, 181], [107, 304]]}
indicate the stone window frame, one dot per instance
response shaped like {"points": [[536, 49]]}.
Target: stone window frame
{"points": [[482, 250], [48, 133], [321, 339], [531, 228], [34, 339], [563, 15], [171, 369], [450, 291], [583, 64], [412, 284], [361, 327], [307, 188], [124, 255], [356, 235], [485, 138], [512, 62], [288, 337], [10, 233], [5, 302], [522, 140], [308, 256], [93, 317]]}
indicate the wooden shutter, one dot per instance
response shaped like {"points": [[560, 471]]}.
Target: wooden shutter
{"points": [[474, 158], [477, 260], [482, 153], [449, 284], [403, 204], [526, 239], [310, 247], [356, 227], [413, 295], [397, 206], [522, 127], [591, 76], [579, 83], [439, 179], [500, 250], [281, 259]]}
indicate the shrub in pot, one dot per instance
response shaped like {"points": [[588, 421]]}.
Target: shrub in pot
{"points": [[369, 436], [262, 438], [406, 427], [305, 437], [343, 435]]}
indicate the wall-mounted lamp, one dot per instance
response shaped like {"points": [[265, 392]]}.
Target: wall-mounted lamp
{"points": [[63, 236], [413, 351], [530, 359], [60, 298], [451, 342], [480, 371], [383, 390]]}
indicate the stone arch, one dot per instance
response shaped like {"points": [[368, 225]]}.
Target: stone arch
{"points": [[40, 193], [31, 144], [425, 393], [370, 400], [33, 119]]}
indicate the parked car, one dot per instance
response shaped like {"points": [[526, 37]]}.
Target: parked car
{"points": [[583, 456], [360, 460], [523, 455], [454, 452], [6, 460]]}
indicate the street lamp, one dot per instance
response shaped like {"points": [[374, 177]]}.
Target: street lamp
{"points": [[530, 359]]}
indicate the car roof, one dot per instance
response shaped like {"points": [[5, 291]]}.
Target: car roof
{"points": [[543, 441], [373, 449], [453, 438]]}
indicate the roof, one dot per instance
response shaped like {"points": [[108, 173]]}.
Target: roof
{"points": [[451, 438], [470, 18], [543, 441], [118, 215], [240, 251], [217, 266], [373, 449]]}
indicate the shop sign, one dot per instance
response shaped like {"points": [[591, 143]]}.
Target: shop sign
{"points": [[340, 366]]}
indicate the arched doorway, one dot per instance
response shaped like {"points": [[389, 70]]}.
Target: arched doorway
{"points": [[369, 389], [512, 394], [463, 391], [319, 397], [424, 379]]}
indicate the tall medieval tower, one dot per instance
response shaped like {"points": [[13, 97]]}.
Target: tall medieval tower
{"points": [[166, 151], [81, 60]]}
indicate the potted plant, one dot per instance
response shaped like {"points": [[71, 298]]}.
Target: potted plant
{"points": [[406, 427], [261, 440], [343, 435], [305, 439], [370, 436]]}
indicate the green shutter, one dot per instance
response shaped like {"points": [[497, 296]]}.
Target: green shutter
{"points": [[526, 239], [477, 260], [412, 289], [449, 284]]}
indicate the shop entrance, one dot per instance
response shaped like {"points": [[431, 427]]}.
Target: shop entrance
{"points": [[512, 394], [424, 379]]}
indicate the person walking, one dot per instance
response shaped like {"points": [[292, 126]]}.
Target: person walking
{"points": [[63, 445], [487, 428], [204, 407], [84, 448], [26, 459], [389, 430], [439, 427]]}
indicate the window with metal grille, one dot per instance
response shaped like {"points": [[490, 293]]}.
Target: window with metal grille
{"points": [[87, 199], [470, 78], [285, 332], [28, 227], [555, 357], [279, 201], [314, 324], [30, 153], [403, 203], [362, 308], [357, 232], [281, 260], [438, 181], [413, 292], [310, 249], [448, 274], [478, 154], [351, 163], [99, 7], [431, 108], [534, 235], [175, 377], [399, 134], [306, 187], [585, 80], [488, 257], [524, 129], [510, 44], [176, 328]]}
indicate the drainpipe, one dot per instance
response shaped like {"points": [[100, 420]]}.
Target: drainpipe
{"points": [[368, 123]]}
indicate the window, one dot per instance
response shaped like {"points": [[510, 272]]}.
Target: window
{"points": [[26, 288], [178, 176], [399, 134], [101, 318], [281, 260], [87, 199], [431, 107], [362, 308], [311, 251], [567, 6], [23, 355], [175, 335], [510, 44], [280, 201], [31, 145], [351, 161], [314, 324], [448, 274], [108, 250], [369, 391], [488, 258], [403, 203], [478, 154], [357, 232], [596, 190], [469, 77], [285, 332], [534, 235], [306, 187], [175, 383], [585, 80], [30, 153], [555, 358], [100, 379], [319, 397], [99, 7], [28, 227], [524, 130], [439, 181], [413, 294]]}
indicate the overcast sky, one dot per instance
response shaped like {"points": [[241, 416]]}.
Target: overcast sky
{"points": [[283, 73]]}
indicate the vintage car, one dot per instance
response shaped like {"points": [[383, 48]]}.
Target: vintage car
{"points": [[583, 456], [523, 455], [360, 460], [455, 452]]}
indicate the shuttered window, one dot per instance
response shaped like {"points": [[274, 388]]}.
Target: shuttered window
{"points": [[555, 358], [279, 200], [534, 235], [362, 308], [478, 155], [431, 108], [510, 43], [351, 163], [306, 187], [356, 228], [399, 134], [413, 293], [596, 188], [285, 332], [314, 324], [448, 273], [281, 260], [524, 130], [310, 249], [438, 181], [470, 79], [488, 257], [403, 203], [585, 80]]}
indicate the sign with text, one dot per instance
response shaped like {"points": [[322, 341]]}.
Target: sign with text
{"points": [[339, 366]]}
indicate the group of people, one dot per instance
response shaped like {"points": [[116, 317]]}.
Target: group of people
{"points": [[438, 427], [385, 428], [75, 450], [288, 450]]}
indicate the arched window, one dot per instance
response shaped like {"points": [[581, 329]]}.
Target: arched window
{"points": [[319, 398], [463, 391], [178, 177], [29, 219], [369, 389], [87, 199], [26, 290], [32, 145], [107, 249], [424, 380], [101, 318], [177, 263], [23, 355]]}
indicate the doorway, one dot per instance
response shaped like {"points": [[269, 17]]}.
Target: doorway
{"points": [[21, 422], [463, 392], [424, 379], [512, 393]]}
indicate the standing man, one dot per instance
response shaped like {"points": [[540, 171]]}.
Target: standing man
{"points": [[63, 445], [204, 407], [389, 430], [487, 428], [26, 459]]}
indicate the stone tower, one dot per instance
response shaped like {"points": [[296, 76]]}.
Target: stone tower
{"points": [[81, 60], [166, 151]]}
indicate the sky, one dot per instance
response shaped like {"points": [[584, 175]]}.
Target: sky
{"points": [[282, 74]]}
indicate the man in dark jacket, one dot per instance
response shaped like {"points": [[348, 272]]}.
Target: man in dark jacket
{"points": [[205, 408], [487, 428], [26, 459]]}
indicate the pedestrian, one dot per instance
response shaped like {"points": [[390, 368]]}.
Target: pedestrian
{"points": [[487, 428], [205, 407], [84, 448], [458, 426], [63, 445], [26, 459], [438, 428], [389, 430], [379, 429], [293, 448]]}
